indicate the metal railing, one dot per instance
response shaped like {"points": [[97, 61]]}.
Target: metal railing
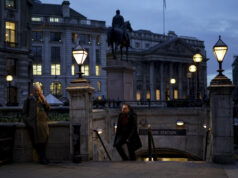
{"points": [[150, 144], [105, 149]]}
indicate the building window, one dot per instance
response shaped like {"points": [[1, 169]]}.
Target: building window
{"points": [[99, 86], [148, 95], [37, 53], [11, 66], [73, 69], [74, 37], [10, 36], [37, 69], [138, 96], [85, 70], [137, 44], [10, 4], [56, 89], [55, 54], [98, 40], [85, 39], [36, 19], [55, 36], [37, 36], [55, 69], [40, 84], [98, 71], [175, 94], [157, 93], [54, 19]]}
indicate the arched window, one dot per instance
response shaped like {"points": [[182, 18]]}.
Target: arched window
{"points": [[56, 89], [40, 84]]}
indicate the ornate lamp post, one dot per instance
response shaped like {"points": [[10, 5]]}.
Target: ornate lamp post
{"points": [[220, 49], [9, 79], [80, 54], [197, 58]]}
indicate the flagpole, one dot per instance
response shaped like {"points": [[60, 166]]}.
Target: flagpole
{"points": [[164, 16]]}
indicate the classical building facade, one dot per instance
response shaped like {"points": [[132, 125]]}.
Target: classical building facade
{"points": [[56, 30], [159, 58], [15, 45]]}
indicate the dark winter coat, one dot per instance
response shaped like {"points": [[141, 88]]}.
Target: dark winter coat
{"points": [[130, 133], [35, 118]]}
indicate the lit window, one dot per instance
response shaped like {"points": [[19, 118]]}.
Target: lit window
{"points": [[10, 35], [56, 89], [138, 96], [73, 69], [40, 84], [54, 19], [148, 95], [10, 4], [99, 86], [37, 69], [85, 70], [55, 69], [157, 94], [175, 94], [98, 71], [36, 19]]}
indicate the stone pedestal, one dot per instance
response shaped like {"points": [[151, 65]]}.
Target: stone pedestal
{"points": [[221, 121], [119, 80], [80, 92]]}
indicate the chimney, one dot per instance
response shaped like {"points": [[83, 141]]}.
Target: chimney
{"points": [[65, 8]]}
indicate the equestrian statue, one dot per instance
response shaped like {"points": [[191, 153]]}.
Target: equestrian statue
{"points": [[118, 35]]}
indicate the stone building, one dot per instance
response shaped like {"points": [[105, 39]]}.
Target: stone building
{"points": [[15, 45], [56, 30], [235, 77], [158, 59]]}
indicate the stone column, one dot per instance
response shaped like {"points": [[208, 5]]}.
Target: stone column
{"points": [[162, 82], [92, 61], [80, 92], [152, 87], [221, 121], [180, 81], [171, 89]]}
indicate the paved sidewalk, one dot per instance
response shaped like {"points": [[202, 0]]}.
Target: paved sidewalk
{"points": [[120, 170]]}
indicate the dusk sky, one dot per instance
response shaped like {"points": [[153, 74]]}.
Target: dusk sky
{"points": [[203, 19]]}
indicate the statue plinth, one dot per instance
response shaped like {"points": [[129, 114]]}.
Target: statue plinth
{"points": [[120, 76]]}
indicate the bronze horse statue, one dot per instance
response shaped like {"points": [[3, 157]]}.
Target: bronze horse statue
{"points": [[119, 36]]}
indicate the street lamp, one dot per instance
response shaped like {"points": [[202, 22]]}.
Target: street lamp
{"points": [[192, 69], [172, 82], [80, 54], [9, 79], [197, 58], [220, 49]]}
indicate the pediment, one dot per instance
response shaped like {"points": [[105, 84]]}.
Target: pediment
{"points": [[175, 47]]}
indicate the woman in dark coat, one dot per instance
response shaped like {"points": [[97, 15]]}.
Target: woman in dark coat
{"points": [[127, 133], [35, 117]]}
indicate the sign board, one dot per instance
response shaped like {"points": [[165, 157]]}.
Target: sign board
{"points": [[167, 132]]}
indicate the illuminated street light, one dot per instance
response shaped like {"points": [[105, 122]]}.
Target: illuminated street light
{"points": [[220, 49], [197, 58], [9, 79], [172, 81], [80, 54], [192, 68]]}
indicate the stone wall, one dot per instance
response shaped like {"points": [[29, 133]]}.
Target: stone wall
{"points": [[160, 118]]}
